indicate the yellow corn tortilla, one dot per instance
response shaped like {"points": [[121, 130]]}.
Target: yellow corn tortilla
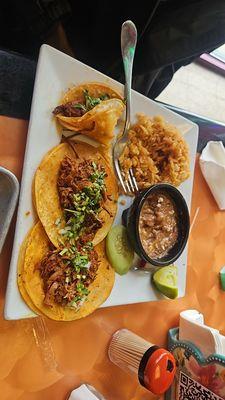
{"points": [[98, 123], [46, 193], [95, 89], [20, 277], [36, 249]]}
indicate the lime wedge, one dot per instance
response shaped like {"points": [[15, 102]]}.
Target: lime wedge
{"points": [[165, 280]]}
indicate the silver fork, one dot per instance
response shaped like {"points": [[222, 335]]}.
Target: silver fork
{"points": [[128, 45]]}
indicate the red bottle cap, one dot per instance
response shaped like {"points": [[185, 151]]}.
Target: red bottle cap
{"points": [[157, 369]]}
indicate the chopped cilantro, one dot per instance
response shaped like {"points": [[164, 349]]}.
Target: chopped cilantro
{"points": [[91, 102], [86, 202], [88, 246], [104, 96], [57, 222], [82, 289], [75, 301], [64, 251], [80, 106], [80, 261]]}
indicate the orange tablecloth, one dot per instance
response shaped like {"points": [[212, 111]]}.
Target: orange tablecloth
{"points": [[75, 352]]}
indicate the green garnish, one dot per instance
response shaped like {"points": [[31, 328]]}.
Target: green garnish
{"points": [[75, 302], [104, 96], [91, 102], [57, 222], [80, 261], [98, 176], [64, 251], [77, 269], [88, 246], [80, 106], [81, 219], [85, 203], [82, 289]]}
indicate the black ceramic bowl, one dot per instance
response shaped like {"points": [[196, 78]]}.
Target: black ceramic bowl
{"points": [[131, 221]]}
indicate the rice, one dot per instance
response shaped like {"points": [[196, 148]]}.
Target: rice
{"points": [[156, 152]]}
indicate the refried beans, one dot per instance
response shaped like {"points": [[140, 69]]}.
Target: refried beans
{"points": [[158, 225]]}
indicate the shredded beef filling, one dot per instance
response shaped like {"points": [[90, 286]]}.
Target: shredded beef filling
{"points": [[73, 177], [76, 177], [70, 109], [67, 272], [63, 281], [82, 105]]}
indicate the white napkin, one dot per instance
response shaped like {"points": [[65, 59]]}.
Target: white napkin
{"points": [[212, 164], [193, 329], [85, 392]]}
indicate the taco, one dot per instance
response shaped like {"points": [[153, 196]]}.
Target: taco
{"points": [[20, 275], [65, 284], [92, 109], [75, 194]]}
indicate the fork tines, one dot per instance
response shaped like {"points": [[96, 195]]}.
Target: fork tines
{"points": [[128, 183], [132, 181]]}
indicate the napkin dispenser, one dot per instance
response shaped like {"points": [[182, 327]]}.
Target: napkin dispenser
{"points": [[197, 376]]}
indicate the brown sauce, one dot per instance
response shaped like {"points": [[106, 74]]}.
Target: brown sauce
{"points": [[158, 225]]}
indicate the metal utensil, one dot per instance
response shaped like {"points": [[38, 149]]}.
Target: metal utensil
{"points": [[128, 45]]}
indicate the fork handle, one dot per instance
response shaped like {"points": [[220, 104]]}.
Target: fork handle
{"points": [[128, 45]]}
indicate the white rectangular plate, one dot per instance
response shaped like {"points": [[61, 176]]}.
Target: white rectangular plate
{"points": [[55, 73]]}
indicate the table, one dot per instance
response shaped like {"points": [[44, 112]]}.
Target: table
{"points": [[76, 352]]}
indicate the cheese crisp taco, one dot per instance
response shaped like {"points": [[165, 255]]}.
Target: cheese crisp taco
{"points": [[92, 109], [75, 194], [64, 284]]}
